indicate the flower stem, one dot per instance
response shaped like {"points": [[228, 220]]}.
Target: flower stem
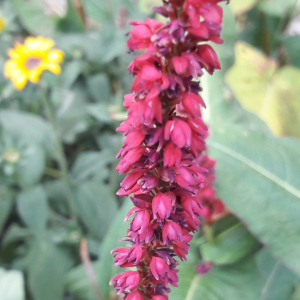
{"points": [[60, 156]]}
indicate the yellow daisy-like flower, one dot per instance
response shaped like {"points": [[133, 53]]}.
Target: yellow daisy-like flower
{"points": [[2, 24], [29, 60]]}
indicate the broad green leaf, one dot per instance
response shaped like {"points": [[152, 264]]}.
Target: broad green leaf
{"points": [[276, 7], [239, 7], [257, 180], [99, 87], [100, 112], [146, 6], [250, 75], [89, 163], [11, 285], [6, 203], [15, 233], [296, 294], [239, 281], [47, 266], [72, 116], [26, 126], [278, 281], [32, 207], [292, 47], [32, 166], [96, 206], [229, 246], [33, 17], [260, 88], [71, 22], [70, 73], [117, 230], [283, 117], [78, 284]]}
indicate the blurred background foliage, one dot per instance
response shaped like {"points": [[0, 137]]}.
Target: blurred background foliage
{"points": [[56, 234]]}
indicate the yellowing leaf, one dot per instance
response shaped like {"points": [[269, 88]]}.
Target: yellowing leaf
{"points": [[239, 7], [281, 109], [262, 88]]}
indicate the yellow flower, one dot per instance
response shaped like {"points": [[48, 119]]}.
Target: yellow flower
{"points": [[2, 24], [29, 60]]}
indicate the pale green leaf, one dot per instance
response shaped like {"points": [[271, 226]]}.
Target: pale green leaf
{"points": [[262, 88], [278, 281], [32, 207], [6, 203], [263, 190], [32, 167], [276, 7], [47, 266], [117, 230], [229, 246], [239, 281], [89, 163], [33, 17], [26, 126], [96, 206], [239, 7], [11, 285]]}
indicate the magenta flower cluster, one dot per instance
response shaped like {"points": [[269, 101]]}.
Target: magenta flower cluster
{"points": [[164, 149]]}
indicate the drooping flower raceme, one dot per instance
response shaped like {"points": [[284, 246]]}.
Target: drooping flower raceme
{"points": [[165, 143], [29, 60]]}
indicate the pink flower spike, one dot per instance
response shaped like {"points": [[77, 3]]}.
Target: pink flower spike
{"points": [[172, 155], [179, 131], [134, 296], [180, 64], [150, 73], [161, 206], [159, 297], [171, 232], [159, 268], [141, 221], [128, 281]]}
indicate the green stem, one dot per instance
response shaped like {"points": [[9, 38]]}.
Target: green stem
{"points": [[52, 172], [61, 158]]}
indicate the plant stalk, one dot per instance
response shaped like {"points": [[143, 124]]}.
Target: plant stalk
{"points": [[60, 156]]}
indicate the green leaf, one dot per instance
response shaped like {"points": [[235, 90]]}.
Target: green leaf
{"points": [[89, 163], [99, 112], [71, 72], [99, 87], [71, 22], [117, 230], [296, 294], [260, 87], [78, 284], [229, 246], [33, 17], [276, 7], [239, 281], [6, 203], [265, 173], [72, 116], [292, 46], [278, 281], [96, 206], [11, 285], [15, 233], [32, 167], [47, 266], [32, 207], [239, 7], [26, 126]]}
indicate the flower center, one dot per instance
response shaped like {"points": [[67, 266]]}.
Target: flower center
{"points": [[33, 63], [11, 156]]}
